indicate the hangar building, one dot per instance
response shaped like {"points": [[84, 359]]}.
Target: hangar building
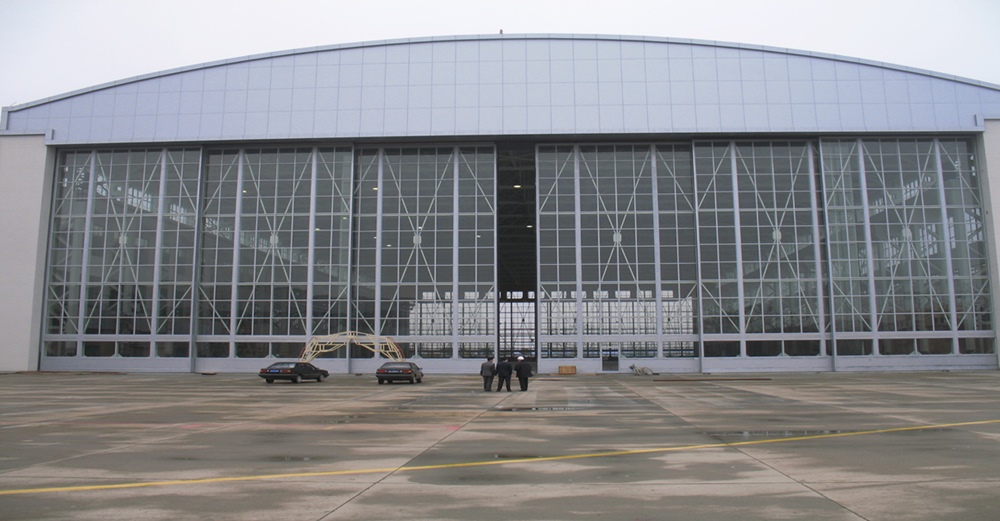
{"points": [[589, 201]]}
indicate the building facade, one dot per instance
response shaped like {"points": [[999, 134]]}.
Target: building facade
{"points": [[591, 201]]}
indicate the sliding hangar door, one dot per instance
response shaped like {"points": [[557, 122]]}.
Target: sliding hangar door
{"points": [[717, 255]]}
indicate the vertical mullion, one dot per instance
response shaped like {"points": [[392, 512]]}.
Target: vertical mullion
{"points": [[578, 249], [866, 211], [234, 299], [377, 312], [85, 263], [349, 309], [196, 260], [815, 210], [946, 245], [700, 292], [657, 272], [738, 239], [456, 243], [157, 260], [311, 252]]}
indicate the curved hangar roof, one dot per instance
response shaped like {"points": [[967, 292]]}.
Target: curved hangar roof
{"points": [[511, 85]]}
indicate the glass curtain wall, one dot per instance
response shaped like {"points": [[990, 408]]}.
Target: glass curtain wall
{"points": [[425, 249], [907, 247], [559, 286], [121, 262], [759, 253], [738, 251], [273, 270], [599, 263], [678, 262], [843, 247]]}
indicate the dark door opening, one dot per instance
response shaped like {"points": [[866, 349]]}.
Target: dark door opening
{"points": [[609, 359], [517, 271], [516, 254]]}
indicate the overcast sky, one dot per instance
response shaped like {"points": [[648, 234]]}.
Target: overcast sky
{"points": [[50, 47]]}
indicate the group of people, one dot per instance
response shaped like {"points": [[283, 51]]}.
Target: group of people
{"points": [[503, 371]]}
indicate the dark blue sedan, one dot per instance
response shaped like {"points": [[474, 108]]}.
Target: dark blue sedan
{"points": [[292, 371]]}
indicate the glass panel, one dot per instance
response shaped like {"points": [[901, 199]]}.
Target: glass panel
{"points": [[475, 349], [286, 349], [896, 346], [976, 346], [434, 350], [802, 347], [722, 349], [680, 349], [854, 347], [764, 348], [934, 346], [639, 349], [252, 349], [133, 349], [213, 349], [99, 349], [173, 349], [60, 349], [558, 350]]}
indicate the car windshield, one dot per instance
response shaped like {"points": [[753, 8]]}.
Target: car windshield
{"points": [[283, 365], [395, 366]]}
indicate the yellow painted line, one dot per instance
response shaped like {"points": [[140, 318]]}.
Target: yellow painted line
{"points": [[261, 477]]}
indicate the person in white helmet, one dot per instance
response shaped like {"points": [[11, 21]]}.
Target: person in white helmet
{"points": [[523, 370]]}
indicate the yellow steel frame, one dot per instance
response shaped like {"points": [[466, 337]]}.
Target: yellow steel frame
{"points": [[380, 345]]}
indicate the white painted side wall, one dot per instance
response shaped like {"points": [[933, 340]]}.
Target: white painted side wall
{"points": [[990, 157], [24, 165]]}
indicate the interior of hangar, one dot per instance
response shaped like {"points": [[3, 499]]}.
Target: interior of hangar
{"points": [[590, 202]]}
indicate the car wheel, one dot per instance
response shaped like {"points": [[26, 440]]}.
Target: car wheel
{"points": [[320, 378], [419, 380], [296, 379], [381, 381], [269, 380], [412, 381]]}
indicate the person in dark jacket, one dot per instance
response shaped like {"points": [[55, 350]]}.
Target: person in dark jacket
{"points": [[504, 371], [523, 370], [488, 370]]}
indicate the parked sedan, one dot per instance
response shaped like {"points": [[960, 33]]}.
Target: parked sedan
{"points": [[293, 371], [392, 371]]}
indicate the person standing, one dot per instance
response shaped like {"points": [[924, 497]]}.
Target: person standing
{"points": [[504, 371], [523, 370], [488, 370]]}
